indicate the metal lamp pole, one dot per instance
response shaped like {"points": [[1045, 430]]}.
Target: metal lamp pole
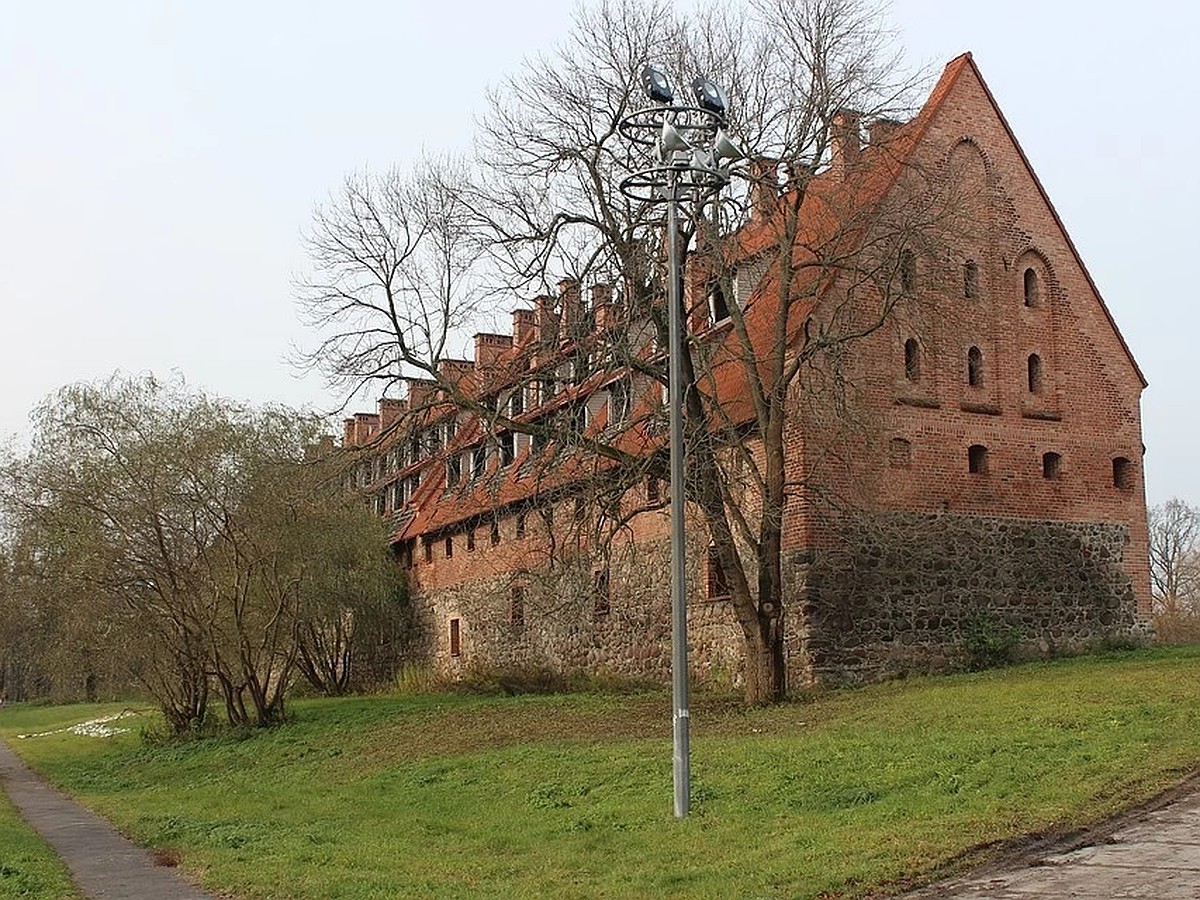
{"points": [[689, 154], [679, 645]]}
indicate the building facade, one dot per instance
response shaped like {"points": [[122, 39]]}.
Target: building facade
{"points": [[994, 470]]}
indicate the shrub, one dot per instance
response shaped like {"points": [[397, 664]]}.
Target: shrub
{"points": [[989, 644]]}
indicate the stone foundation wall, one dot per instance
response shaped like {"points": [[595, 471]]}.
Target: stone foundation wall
{"points": [[565, 625], [901, 592], [906, 590]]}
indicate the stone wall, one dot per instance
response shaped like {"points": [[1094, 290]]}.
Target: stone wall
{"points": [[905, 590], [566, 625], [900, 592]]}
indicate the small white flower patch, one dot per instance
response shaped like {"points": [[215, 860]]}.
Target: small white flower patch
{"points": [[91, 728]]}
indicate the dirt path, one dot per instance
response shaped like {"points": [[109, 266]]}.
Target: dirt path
{"points": [[105, 865]]}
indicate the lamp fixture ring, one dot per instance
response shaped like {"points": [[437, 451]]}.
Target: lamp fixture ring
{"points": [[644, 126], [691, 183]]}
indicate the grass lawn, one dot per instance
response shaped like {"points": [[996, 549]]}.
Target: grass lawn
{"points": [[570, 796], [28, 868]]}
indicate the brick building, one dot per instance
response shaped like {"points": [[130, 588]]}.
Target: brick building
{"points": [[995, 471]]}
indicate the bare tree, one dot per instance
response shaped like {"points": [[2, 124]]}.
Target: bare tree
{"points": [[1175, 559], [803, 269]]}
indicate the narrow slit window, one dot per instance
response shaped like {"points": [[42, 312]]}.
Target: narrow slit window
{"points": [[975, 367], [455, 638], [470, 540], [520, 525], [908, 271], [494, 533], [449, 547], [970, 279], [1032, 288], [912, 360], [1035, 374], [516, 607]]}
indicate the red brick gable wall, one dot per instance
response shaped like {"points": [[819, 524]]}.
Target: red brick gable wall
{"points": [[1087, 410]]}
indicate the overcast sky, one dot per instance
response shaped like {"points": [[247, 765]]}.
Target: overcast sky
{"points": [[158, 161]]}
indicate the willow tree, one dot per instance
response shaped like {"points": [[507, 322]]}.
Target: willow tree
{"points": [[182, 526]]}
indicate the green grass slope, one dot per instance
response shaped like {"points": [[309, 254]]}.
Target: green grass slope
{"points": [[29, 869], [569, 796]]}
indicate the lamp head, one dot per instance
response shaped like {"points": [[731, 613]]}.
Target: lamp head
{"points": [[657, 85], [709, 96], [726, 148]]}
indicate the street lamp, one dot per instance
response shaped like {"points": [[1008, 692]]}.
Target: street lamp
{"points": [[685, 158]]}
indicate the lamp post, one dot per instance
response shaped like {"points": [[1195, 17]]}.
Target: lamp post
{"points": [[685, 153]]}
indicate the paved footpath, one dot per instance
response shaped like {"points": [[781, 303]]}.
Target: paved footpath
{"points": [[1153, 855], [105, 865]]}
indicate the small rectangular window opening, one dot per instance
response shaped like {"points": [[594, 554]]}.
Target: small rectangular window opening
{"points": [[1051, 466], [603, 602], [516, 607], [977, 460], [455, 638], [718, 587]]}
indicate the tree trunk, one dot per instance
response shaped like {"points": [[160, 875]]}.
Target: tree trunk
{"points": [[766, 672]]}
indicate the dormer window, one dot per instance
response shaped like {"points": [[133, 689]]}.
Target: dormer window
{"points": [[618, 401], [718, 305]]}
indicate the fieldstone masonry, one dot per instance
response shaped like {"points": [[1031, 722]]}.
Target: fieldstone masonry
{"points": [[905, 589]]}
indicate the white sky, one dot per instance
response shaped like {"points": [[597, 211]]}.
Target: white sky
{"points": [[158, 161]]}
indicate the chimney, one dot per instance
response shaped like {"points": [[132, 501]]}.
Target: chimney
{"points": [[764, 187], [845, 141], [489, 348], [420, 392], [366, 426], [570, 302], [880, 131], [348, 432], [799, 173], [524, 325], [452, 371], [390, 410], [547, 319], [602, 305]]}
